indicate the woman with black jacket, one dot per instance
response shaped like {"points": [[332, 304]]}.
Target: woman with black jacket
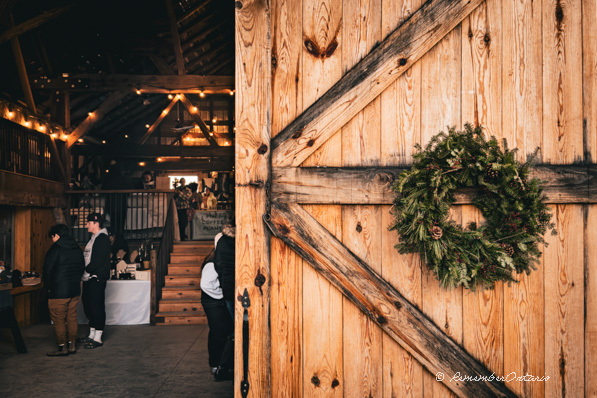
{"points": [[63, 268]]}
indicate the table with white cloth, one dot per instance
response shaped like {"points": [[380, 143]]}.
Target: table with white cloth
{"points": [[127, 303]]}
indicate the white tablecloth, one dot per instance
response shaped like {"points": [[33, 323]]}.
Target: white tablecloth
{"points": [[127, 303]]}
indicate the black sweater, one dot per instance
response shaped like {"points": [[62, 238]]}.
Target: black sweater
{"points": [[224, 264], [100, 258], [63, 268]]}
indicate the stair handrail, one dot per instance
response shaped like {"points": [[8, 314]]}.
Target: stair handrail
{"points": [[160, 259]]}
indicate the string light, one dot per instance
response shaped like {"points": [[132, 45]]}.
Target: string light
{"points": [[107, 171], [103, 141], [10, 114], [147, 126], [126, 136], [141, 163], [138, 91], [170, 96], [194, 109], [63, 136], [27, 123], [53, 135], [80, 140], [213, 120], [231, 92], [159, 159], [90, 114], [165, 112], [41, 128], [201, 94]]}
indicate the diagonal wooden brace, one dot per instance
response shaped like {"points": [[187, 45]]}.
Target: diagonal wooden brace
{"points": [[382, 302]]}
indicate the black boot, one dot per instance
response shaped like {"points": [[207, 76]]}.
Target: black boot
{"points": [[62, 351]]}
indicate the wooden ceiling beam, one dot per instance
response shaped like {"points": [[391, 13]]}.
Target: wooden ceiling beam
{"points": [[175, 38], [159, 120], [150, 84], [119, 124], [196, 9], [197, 40], [112, 101], [153, 151], [22, 70], [197, 119], [160, 64], [33, 23], [187, 165]]}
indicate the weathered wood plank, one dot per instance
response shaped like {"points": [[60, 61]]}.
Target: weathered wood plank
{"points": [[253, 124], [109, 103], [361, 30], [287, 265], [378, 299], [287, 321], [21, 190], [368, 79], [401, 101], [522, 86], [483, 322], [562, 81], [323, 366], [441, 76], [589, 84], [400, 130], [372, 185], [564, 304], [590, 271]]}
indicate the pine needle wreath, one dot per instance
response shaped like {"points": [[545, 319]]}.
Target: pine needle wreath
{"points": [[514, 208]]}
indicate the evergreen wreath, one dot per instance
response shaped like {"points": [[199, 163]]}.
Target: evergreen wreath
{"points": [[514, 208]]}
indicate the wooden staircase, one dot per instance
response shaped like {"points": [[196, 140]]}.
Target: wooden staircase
{"points": [[181, 294]]}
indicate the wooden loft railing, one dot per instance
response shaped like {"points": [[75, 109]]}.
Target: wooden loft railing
{"points": [[160, 259]]}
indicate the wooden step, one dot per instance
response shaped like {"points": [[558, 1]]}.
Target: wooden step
{"points": [[181, 305], [183, 280], [186, 259], [186, 292], [180, 318], [185, 269], [192, 250]]}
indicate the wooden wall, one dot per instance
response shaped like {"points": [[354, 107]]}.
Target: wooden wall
{"points": [[526, 70], [31, 245]]}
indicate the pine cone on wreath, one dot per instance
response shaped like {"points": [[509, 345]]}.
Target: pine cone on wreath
{"points": [[436, 232], [489, 170], [508, 249]]}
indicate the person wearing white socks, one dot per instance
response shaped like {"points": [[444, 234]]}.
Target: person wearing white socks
{"points": [[97, 272]]}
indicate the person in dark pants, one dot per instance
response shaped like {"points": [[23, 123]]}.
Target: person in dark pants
{"points": [[97, 272], [63, 268], [182, 197], [218, 319], [224, 264]]}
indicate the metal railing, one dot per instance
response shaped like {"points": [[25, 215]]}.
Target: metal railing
{"points": [[133, 214], [26, 151], [159, 266]]}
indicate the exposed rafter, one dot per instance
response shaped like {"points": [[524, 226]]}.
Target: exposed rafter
{"points": [[175, 38], [153, 151], [197, 119], [33, 23], [150, 84], [110, 102], [20, 63], [159, 120]]}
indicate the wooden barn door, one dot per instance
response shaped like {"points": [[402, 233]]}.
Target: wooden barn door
{"points": [[331, 97]]}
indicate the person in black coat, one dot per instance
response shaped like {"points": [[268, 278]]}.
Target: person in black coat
{"points": [[63, 268], [224, 265]]}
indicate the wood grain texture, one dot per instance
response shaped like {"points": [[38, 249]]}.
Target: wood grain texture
{"points": [[590, 270], [361, 25], [401, 101], [483, 310], [286, 320], [378, 299], [400, 130], [372, 185], [323, 360], [286, 62], [287, 266], [522, 81], [323, 356], [368, 79], [564, 304], [589, 84], [562, 81], [441, 90], [481, 68], [252, 171], [402, 373]]}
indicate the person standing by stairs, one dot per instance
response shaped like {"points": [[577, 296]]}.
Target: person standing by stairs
{"points": [[97, 272]]}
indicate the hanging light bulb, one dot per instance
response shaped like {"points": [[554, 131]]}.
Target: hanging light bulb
{"points": [[201, 94], [10, 114], [138, 91], [170, 96], [147, 126], [41, 128], [53, 135], [80, 140], [195, 109], [231, 92], [126, 136], [165, 112], [90, 114], [63, 136], [103, 141], [27, 123], [141, 163]]}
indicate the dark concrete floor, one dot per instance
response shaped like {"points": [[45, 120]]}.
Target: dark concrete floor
{"points": [[135, 361]]}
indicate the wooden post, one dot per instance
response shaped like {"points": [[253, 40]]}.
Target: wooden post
{"points": [[253, 106]]}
